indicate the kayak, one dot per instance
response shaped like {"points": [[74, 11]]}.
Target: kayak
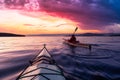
{"points": [[77, 44], [42, 67]]}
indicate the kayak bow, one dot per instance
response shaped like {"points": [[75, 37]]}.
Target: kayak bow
{"points": [[43, 67]]}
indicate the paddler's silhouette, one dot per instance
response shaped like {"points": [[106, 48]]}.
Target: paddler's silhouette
{"points": [[73, 39]]}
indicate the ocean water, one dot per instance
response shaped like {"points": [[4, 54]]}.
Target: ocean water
{"points": [[102, 63]]}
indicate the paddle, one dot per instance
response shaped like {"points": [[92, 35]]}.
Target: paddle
{"points": [[75, 30], [74, 34]]}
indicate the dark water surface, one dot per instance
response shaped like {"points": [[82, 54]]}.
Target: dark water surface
{"points": [[102, 63]]}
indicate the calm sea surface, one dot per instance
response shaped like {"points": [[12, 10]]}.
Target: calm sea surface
{"points": [[102, 63]]}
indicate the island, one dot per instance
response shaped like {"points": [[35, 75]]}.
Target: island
{"points": [[11, 35]]}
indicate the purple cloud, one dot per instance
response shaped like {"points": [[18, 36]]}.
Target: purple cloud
{"points": [[93, 14]]}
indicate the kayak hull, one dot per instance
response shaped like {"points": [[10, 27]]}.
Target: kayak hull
{"points": [[77, 44]]}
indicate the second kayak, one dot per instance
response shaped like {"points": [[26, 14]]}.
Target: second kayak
{"points": [[77, 44]]}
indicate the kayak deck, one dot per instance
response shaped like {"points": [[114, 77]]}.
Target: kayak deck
{"points": [[42, 72], [43, 67]]}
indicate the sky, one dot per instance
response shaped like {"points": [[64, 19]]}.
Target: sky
{"points": [[59, 16]]}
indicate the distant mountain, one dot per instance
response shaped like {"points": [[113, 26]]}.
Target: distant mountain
{"points": [[10, 35], [85, 34], [99, 34]]}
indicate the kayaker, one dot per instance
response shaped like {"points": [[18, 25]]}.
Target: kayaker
{"points": [[73, 39]]}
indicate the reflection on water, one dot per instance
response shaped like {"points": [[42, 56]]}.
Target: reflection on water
{"points": [[102, 63]]}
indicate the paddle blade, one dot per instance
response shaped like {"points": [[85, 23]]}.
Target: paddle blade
{"points": [[76, 29]]}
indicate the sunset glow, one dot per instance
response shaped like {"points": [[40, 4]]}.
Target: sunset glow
{"points": [[42, 17], [22, 22]]}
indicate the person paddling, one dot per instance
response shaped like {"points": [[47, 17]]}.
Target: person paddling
{"points": [[73, 38]]}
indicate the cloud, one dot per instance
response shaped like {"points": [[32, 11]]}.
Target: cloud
{"points": [[113, 28], [90, 14], [29, 25], [93, 14]]}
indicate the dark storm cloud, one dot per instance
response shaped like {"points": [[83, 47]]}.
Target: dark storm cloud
{"points": [[93, 14]]}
